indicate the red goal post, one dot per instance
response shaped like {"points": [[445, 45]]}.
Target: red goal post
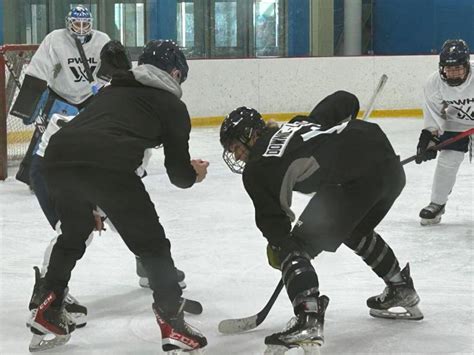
{"points": [[14, 135]]}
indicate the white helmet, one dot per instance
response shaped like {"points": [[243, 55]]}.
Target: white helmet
{"points": [[79, 21]]}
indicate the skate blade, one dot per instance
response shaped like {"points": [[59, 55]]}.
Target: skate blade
{"points": [[199, 351], [173, 347], [186, 352], [276, 350], [39, 343], [311, 348], [430, 222], [408, 313], [143, 282]]}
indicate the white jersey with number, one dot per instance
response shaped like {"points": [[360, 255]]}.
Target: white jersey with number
{"points": [[449, 108], [58, 62]]}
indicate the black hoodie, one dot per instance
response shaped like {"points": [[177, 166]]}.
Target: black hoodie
{"points": [[122, 121]]}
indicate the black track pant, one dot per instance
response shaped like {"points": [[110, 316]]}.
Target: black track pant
{"points": [[341, 213], [122, 196]]}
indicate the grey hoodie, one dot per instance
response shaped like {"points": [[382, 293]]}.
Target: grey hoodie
{"points": [[152, 76]]}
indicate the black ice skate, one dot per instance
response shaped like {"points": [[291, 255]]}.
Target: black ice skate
{"points": [[398, 294], [77, 311], [306, 330], [47, 319], [431, 214], [176, 335]]}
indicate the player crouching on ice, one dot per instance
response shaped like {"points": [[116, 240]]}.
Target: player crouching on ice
{"points": [[356, 175]]}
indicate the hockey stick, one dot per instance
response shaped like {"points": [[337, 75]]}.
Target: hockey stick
{"points": [[442, 144], [232, 326], [378, 89]]}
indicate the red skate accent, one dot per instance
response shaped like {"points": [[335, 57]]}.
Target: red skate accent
{"points": [[39, 319], [167, 332]]}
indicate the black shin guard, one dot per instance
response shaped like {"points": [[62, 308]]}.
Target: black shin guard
{"points": [[377, 254], [299, 277]]}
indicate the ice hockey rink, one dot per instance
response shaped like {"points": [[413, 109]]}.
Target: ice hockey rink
{"points": [[215, 241]]}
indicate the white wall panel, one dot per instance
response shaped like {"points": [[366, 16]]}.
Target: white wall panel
{"points": [[282, 85]]}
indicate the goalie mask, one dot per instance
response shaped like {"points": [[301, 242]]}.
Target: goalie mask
{"points": [[237, 130], [166, 55], [79, 22], [454, 63]]}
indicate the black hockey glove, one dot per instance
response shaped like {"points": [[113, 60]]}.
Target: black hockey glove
{"points": [[425, 142], [113, 57]]}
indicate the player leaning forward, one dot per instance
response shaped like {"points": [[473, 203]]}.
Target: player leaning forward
{"points": [[92, 161], [356, 175], [448, 110]]}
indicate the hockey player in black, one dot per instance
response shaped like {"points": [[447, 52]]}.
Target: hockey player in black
{"points": [[92, 161], [356, 175]]}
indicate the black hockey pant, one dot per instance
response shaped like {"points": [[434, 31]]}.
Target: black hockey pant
{"points": [[122, 196], [348, 213]]}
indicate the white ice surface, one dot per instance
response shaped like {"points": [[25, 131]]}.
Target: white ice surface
{"points": [[215, 241]]}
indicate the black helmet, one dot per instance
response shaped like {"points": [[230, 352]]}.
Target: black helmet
{"points": [[454, 52], [113, 57], [166, 55], [239, 125]]}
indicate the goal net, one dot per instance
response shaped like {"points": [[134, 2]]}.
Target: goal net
{"points": [[14, 135]]}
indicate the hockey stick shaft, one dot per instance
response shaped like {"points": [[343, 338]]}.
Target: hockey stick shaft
{"points": [[232, 326], [378, 90], [442, 144]]}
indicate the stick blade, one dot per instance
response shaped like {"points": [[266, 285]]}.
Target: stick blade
{"points": [[239, 325]]}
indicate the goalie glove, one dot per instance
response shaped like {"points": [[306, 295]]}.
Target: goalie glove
{"points": [[425, 142]]}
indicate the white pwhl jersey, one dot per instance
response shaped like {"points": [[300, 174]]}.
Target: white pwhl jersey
{"points": [[449, 108], [58, 62]]}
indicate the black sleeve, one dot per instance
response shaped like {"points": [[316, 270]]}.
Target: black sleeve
{"points": [[263, 186], [177, 126]]}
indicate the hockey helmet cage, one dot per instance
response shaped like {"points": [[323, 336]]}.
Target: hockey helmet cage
{"points": [[239, 125], [79, 21], [166, 55], [454, 52]]}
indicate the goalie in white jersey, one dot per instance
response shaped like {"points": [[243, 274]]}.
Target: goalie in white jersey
{"points": [[57, 81], [448, 110], [59, 77]]}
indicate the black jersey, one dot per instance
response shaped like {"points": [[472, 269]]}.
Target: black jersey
{"points": [[300, 156], [122, 121]]}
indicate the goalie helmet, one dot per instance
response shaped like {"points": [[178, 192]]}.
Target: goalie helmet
{"points": [[166, 55], [239, 126], [79, 22], [454, 52]]}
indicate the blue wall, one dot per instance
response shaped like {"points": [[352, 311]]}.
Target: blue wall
{"points": [[162, 19], [421, 26], [298, 28]]}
